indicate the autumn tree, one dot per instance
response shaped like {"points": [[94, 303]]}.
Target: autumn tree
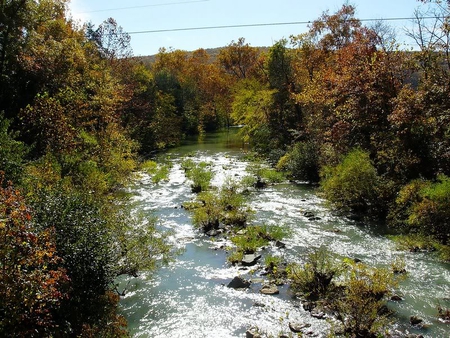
{"points": [[239, 59], [32, 282]]}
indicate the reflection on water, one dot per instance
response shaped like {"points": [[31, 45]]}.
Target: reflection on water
{"points": [[188, 298]]}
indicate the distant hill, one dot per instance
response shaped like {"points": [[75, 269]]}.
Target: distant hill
{"points": [[212, 52]]}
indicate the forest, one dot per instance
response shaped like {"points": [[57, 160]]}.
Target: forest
{"points": [[340, 106]]}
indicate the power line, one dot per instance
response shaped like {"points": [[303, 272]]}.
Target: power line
{"points": [[143, 6], [265, 24]]}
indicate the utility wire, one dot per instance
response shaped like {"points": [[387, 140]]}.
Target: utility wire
{"points": [[143, 6], [266, 24]]}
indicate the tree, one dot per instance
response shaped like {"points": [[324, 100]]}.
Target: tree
{"points": [[238, 59], [111, 41], [32, 282]]}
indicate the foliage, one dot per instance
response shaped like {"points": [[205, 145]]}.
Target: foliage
{"points": [[352, 184], [316, 277], [356, 294], [264, 173], [256, 236], [362, 307], [12, 152], [431, 214], [422, 206], [158, 172], [97, 242], [301, 162], [200, 174], [225, 206], [33, 283], [238, 59], [414, 242]]}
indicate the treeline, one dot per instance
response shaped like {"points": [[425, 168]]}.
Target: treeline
{"points": [[339, 105]]}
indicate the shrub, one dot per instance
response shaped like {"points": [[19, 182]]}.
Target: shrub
{"points": [[200, 174], [352, 184], [302, 162], [422, 208], [264, 173], [408, 196], [158, 172], [225, 206], [97, 241], [431, 215], [361, 308], [209, 214], [32, 283], [315, 278]]}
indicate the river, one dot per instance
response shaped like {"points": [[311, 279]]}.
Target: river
{"points": [[188, 298]]}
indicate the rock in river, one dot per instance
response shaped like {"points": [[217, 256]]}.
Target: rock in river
{"points": [[298, 327], [250, 259], [239, 283], [269, 290]]}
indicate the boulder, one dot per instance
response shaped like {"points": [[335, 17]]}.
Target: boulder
{"points": [[269, 290], [250, 259], [298, 327], [318, 314], [252, 333], [280, 244], [396, 298], [414, 320], [308, 214], [212, 232], [239, 283]]}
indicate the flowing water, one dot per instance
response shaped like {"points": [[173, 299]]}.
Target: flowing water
{"points": [[189, 297]]}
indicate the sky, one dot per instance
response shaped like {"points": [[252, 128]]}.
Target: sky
{"points": [[137, 17]]}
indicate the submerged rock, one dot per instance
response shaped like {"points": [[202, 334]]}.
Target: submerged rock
{"points": [[250, 259], [239, 283]]}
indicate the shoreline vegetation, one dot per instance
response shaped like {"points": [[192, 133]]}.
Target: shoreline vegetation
{"points": [[340, 106]]}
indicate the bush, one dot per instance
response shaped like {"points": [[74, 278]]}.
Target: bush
{"points": [[200, 174], [422, 208], [431, 214], [361, 308], [158, 172], [302, 162], [315, 278], [225, 206], [264, 173], [97, 242], [352, 184], [407, 197], [32, 283]]}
